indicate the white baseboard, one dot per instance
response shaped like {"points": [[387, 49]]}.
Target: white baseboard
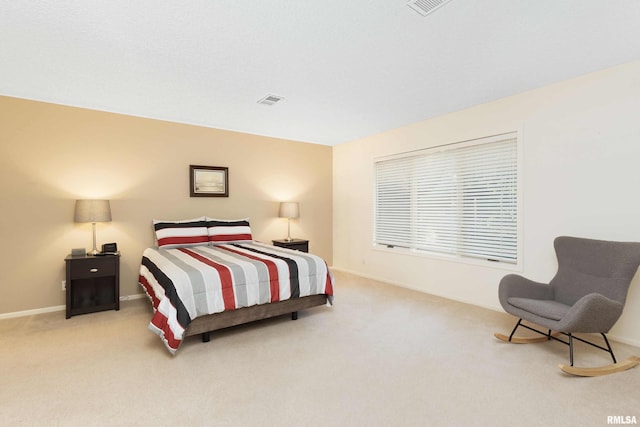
{"points": [[57, 308], [134, 296], [32, 312]]}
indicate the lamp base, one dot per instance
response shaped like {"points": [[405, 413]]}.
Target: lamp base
{"points": [[288, 239], [94, 251]]}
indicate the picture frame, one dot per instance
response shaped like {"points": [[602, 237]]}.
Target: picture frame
{"points": [[208, 181]]}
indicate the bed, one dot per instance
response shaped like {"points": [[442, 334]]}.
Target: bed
{"points": [[199, 285]]}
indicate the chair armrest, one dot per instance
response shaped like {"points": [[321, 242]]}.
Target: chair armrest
{"points": [[593, 313], [513, 285]]}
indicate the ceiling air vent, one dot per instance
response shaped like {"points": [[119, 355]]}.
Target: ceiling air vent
{"points": [[270, 100], [425, 7]]}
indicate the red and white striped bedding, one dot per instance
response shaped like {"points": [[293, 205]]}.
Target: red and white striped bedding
{"points": [[184, 283]]}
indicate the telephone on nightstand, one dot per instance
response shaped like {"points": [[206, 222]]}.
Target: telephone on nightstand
{"points": [[109, 249]]}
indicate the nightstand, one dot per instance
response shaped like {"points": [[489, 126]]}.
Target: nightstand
{"points": [[297, 244], [93, 284]]}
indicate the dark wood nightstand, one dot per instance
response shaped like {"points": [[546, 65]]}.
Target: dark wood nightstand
{"points": [[93, 284], [297, 244]]}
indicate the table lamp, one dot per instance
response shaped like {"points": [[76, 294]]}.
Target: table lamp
{"points": [[289, 210], [92, 211]]}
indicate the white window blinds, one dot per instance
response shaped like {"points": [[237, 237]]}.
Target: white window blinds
{"points": [[460, 199]]}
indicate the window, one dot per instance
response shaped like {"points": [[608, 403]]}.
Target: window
{"points": [[459, 199]]}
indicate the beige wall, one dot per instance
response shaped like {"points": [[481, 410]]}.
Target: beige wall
{"points": [[581, 148], [51, 155]]}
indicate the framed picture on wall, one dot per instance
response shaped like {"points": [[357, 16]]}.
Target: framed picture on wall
{"points": [[208, 181]]}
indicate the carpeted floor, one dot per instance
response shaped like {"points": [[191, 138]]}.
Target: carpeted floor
{"points": [[381, 356]]}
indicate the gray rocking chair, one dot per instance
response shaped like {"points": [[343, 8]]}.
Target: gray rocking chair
{"points": [[587, 295]]}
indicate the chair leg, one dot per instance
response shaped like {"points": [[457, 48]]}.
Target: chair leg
{"points": [[570, 349], [514, 329], [610, 350]]}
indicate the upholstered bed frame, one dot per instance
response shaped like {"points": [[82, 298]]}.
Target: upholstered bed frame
{"points": [[206, 324]]}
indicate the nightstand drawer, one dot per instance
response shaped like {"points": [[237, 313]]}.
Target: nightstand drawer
{"points": [[86, 269]]}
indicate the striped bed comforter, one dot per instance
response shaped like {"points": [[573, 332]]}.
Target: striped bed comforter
{"points": [[185, 283]]}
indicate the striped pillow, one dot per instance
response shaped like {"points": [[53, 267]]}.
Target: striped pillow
{"points": [[175, 234], [225, 231]]}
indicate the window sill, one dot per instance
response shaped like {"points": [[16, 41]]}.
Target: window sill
{"points": [[500, 265]]}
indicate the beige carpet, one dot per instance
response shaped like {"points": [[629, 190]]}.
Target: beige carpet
{"points": [[382, 356]]}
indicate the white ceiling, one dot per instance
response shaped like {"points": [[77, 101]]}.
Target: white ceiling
{"points": [[346, 68]]}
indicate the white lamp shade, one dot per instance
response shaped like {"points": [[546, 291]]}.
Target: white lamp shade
{"points": [[92, 211], [289, 210]]}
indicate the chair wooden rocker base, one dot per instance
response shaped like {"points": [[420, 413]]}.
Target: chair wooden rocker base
{"points": [[628, 363]]}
